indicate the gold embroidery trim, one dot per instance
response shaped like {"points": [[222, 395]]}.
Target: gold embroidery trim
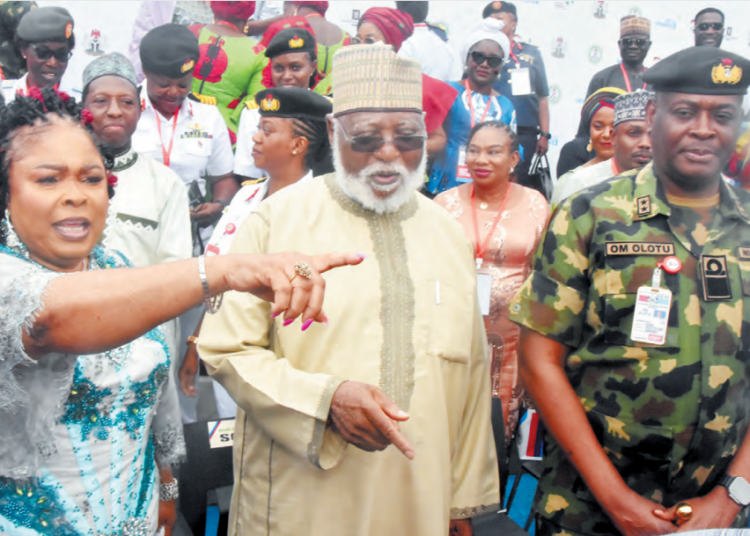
{"points": [[472, 511]]}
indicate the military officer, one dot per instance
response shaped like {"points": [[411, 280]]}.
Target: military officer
{"points": [[635, 342], [11, 60], [523, 80]]}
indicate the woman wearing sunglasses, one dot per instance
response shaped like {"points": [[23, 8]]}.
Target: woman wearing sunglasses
{"points": [[483, 53], [45, 39]]}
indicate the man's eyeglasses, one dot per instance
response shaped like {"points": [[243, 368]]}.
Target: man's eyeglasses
{"points": [[493, 61], [715, 26], [43, 52], [372, 144], [630, 41]]}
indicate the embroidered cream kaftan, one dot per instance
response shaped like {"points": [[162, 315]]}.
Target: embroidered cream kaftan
{"points": [[406, 320]]}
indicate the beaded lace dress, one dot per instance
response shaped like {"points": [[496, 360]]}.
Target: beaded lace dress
{"points": [[80, 434]]}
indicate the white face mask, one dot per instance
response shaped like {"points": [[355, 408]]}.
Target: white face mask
{"points": [[359, 186]]}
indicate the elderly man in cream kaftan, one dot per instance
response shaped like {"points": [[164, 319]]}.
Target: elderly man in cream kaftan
{"points": [[405, 320]]}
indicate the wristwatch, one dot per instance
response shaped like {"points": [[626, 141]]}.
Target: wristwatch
{"points": [[738, 489], [545, 134]]}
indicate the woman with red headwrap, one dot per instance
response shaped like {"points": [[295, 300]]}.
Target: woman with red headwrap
{"points": [[230, 68], [393, 27]]}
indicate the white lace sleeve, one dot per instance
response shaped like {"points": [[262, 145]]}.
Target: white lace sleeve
{"points": [[169, 440], [32, 393]]}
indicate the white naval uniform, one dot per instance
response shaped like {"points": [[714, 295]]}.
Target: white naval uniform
{"points": [[201, 145], [244, 203], [244, 163], [13, 87]]}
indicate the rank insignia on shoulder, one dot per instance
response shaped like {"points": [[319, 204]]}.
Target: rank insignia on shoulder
{"points": [[644, 205], [251, 105], [743, 254], [715, 278], [206, 99], [250, 182]]}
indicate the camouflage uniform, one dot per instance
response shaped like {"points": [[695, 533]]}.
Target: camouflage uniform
{"points": [[11, 60], [669, 417]]}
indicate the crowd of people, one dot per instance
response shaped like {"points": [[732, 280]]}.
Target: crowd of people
{"points": [[186, 209]]}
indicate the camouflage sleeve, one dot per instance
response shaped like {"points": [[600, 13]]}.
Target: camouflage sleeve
{"points": [[552, 299], [11, 13]]}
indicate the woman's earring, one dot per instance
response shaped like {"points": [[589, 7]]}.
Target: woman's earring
{"points": [[511, 170], [11, 238], [589, 147], [294, 152]]}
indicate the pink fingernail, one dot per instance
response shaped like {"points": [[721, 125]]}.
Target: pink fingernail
{"points": [[275, 314], [307, 324], [287, 322], [361, 255]]}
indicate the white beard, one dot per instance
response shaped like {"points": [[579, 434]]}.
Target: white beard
{"points": [[362, 190]]}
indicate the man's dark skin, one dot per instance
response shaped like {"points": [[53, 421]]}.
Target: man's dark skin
{"points": [[634, 54], [709, 37], [693, 137], [632, 145]]}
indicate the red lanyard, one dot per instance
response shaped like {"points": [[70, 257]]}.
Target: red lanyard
{"points": [[165, 153], [481, 250], [513, 56], [471, 105], [627, 79], [228, 24]]}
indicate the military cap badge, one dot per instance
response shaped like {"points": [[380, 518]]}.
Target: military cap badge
{"points": [[296, 42], [269, 104], [497, 5], [189, 64], [726, 72], [68, 30]]}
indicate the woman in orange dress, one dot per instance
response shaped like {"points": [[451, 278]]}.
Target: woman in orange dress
{"points": [[505, 222]]}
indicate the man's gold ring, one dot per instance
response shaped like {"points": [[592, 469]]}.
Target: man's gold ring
{"points": [[301, 268], [684, 513]]}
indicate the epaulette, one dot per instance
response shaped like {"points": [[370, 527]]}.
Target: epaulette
{"points": [[205, 99], [254, 181], [251, 105]]}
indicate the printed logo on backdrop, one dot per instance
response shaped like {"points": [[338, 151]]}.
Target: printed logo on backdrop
{"points": [[95, 43], [595, 54], [559, 47], [356, 13], [729, 33], [554, 94], [600, 9], [563, 5], [636, 11], [669, 24]]}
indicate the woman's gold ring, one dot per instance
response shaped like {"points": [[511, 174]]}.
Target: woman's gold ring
{"points": [[301, 268]]}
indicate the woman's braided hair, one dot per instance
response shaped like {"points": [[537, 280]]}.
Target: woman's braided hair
{"points": [[498, 125], [319, 158], [35, 110]]}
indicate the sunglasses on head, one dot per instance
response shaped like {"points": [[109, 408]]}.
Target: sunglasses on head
{"points": [[372, 144], [630, 41], [43, 52], [716, 26], [493, 61]]}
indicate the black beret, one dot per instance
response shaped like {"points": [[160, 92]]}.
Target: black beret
{"points": [[170, 50], [700, 71], [46, 24], [291, 40], [293, 103], [499, 7]]}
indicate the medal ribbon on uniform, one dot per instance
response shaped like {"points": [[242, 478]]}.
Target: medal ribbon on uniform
{"points": [[481, 250]]}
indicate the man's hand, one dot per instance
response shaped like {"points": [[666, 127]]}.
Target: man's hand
{"points": [[542, 144], [188, 370], [634, 515], [714, 511], [364, 416], [206, 213], [460, 527]]}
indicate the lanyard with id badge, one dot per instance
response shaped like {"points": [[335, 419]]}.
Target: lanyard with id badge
{"points": [[484, 279], [651, 316], [462, 171]]}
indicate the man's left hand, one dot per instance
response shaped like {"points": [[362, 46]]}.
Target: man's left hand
{"points": [[460, 527], [542, 144], [205, 214], [713, 511]]}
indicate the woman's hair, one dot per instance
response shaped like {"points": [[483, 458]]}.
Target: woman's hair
{"points": [[499, 125], [35, 111], [319, 158]]}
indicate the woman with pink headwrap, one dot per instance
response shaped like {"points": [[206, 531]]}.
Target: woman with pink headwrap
{"points": [[393, 27]]}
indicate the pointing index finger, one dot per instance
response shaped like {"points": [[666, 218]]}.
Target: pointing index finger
{"points": [[386, 427], [323, 263]]}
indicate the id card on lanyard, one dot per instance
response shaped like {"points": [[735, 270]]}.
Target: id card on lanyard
{"points": [[462, 170], [652, 305], [520, 81], [484, 279]]}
